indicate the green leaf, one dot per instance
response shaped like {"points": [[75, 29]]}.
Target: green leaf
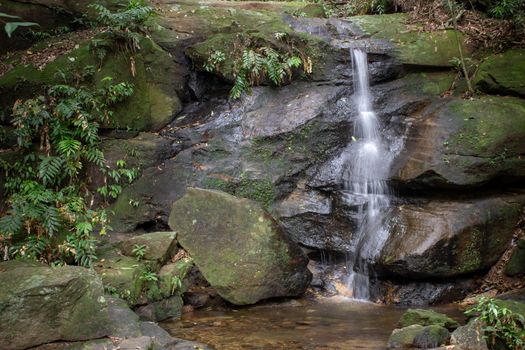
{"points": [[11, 26]]}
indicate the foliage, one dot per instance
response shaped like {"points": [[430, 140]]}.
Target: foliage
{"points": [[500, 323], [49, 216], [353, 7], [175, 283], [122, 27], [510, 9], [149, 276], [139, 250], [10, 26], [255, 63]]}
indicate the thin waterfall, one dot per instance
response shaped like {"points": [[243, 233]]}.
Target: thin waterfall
{"points": [[365, 184]]}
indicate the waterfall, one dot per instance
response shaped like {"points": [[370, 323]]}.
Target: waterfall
{"points": [[365, 185]]}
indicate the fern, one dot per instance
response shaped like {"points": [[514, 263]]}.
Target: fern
{"points": [[49, 169]]}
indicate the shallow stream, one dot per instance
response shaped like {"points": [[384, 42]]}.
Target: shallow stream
{"points": [[330, 324]]}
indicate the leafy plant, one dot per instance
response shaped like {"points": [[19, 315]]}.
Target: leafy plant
{"points": [[214, 61], [49, 215], [123, 27], [175, 283], [263, 62], [139, 250], [10, 26], [500, 323], [149, 276]]}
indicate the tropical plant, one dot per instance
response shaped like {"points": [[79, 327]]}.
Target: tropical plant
{"points": [[50, 215], [12, 23], [499, 323], [123, 27], [149, 276], [139, 250], [264, 62]]}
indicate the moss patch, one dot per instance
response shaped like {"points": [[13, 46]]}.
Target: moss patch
{"points": [[502, 73]]}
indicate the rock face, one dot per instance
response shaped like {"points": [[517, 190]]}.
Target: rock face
{"points": [[238, 247], [445, 239], [158, 246], [464, 143], [40, 304], [501, 74]]}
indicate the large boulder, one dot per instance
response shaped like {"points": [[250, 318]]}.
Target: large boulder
{"points": [[40, 304], [239, 248], [502, 73], [464, 143], [443, 238]]}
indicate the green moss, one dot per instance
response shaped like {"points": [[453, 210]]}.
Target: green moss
{"points": [[259, 190], [429, 83], [502, 73], [487, 126], [426, 317], [412, 46]]}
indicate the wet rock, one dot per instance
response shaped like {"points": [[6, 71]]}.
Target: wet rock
{"points": [[41, 304], [158, 246], [500, 74], [449, 238], [435, 48], [464, 143], [419, 337], [427, 317], [516, 264], [469, 337], [422, 293], [238, 247]]}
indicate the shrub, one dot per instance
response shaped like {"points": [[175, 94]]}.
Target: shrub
{"points": [[50, 216], [500, 324]]}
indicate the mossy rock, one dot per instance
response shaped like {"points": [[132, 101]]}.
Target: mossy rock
{"points": [[516, 264], [466, 143], [238, 247], [159, 246], [178, 270], [154, 101], [427, 317], [121, 275], [435, 48], [162, 310], [41, 304], [419, 336], [502, 73]]}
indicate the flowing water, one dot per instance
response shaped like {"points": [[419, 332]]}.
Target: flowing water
{"points": [[328, 325], [365, 185]]}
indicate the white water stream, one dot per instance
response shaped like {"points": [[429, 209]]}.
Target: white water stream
{"points": [[365, 185]]}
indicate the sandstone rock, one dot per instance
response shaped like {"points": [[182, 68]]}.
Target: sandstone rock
{"points": [[159, 246], [41, 304], [501, 73], [449, 238], [238, 247], [418, 336], [469, 337]]}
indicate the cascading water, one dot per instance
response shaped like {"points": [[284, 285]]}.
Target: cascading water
{"points": [[365, 186]]}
